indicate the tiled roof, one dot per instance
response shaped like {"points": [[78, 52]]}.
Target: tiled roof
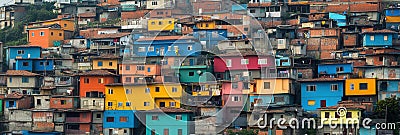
{"points": [[20, 73], [15, 95], [108, 36], [97, 72], [165, 38], [170, 110], [380, 31], [259, 4], [362, 7], [348, 104], [321, 79], [87, 15]]}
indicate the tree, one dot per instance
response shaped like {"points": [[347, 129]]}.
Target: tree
{"points": [[389, 109]]}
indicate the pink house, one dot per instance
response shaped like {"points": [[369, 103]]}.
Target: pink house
{"points": [[233, 93], [234, 65]]}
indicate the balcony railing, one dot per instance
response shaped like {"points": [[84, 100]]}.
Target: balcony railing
{"points": [[278, 75]]}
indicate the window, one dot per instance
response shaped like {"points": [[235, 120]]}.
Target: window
{"points": [[63, 102], [339, 69], [174, 89], [234, 85], [235, 98], [153, 23], [178, 117], [380, 58], [166, 131], [169, 48], [127, 67], [98, 116], [25, 64], [154, 117], [128, 91], [206, 24], [21, 52], [311, 102], [110, 104], [147, 90], [334, 87], [154, 3], [110, 119], [311, 88], [110, 91], [25, 80], [372, 38], [279, 99], [191, 73], [172, 104], [141, 49], [10, 79], [151, 49], [228, 63], [327, 114], [86, 80], [123, 119], [41, 33], [110, 63], [159, 23], [189, 48], [385, 38], [267, 85], [299, 75], [179, 131], [157, 89], [60, 34], [146, 103], [244, 61], [352, 86], [100, 63], [51, 33], [348, 115], [262, 61], [100, 80], [128, 79], [33, 34], [11, 103], [363, 86], [128, 104], [38, 101], [252, 11], [140, 68]]}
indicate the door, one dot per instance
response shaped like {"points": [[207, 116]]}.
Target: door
{"points": [[162, 104], [191, 62], [110, 132], [323, 103], [162, 49]]}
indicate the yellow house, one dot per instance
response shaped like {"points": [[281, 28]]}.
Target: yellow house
{"points": [[330, 115], [65, 24], [360, 87], [165, 24], [142, 96], [107, 62], [208, 24], [272, 86], [206, 89]]}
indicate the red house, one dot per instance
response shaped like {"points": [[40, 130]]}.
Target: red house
{"points": [[92, 83], [234, 66]]}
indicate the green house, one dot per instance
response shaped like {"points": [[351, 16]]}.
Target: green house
{"points": [[194, 74]]}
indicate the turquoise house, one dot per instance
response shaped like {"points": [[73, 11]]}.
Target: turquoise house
{"points": [[194, 74], [169, 121], [379, 38]]}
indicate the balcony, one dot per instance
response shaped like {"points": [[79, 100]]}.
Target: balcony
{"points": [[207, 92], [278, 75], [72, 120]]}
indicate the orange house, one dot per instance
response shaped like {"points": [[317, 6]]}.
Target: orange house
{"points": [[131, 72], [65, 24], [92, 83], [45, 36]]}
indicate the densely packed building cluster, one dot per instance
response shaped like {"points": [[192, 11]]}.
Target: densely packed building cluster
{"points": [[122, 67]]}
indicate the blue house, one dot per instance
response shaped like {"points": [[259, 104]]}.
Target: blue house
{"points": [[379, 38], [167, 46], [210, 37], [22, 52], [119, 119], [392, 21], [340, 19], [388, 88], [26, 132], [335, 69], [35, 65], [239, 7], [171, 121], [283, 61], [321, 92]]}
